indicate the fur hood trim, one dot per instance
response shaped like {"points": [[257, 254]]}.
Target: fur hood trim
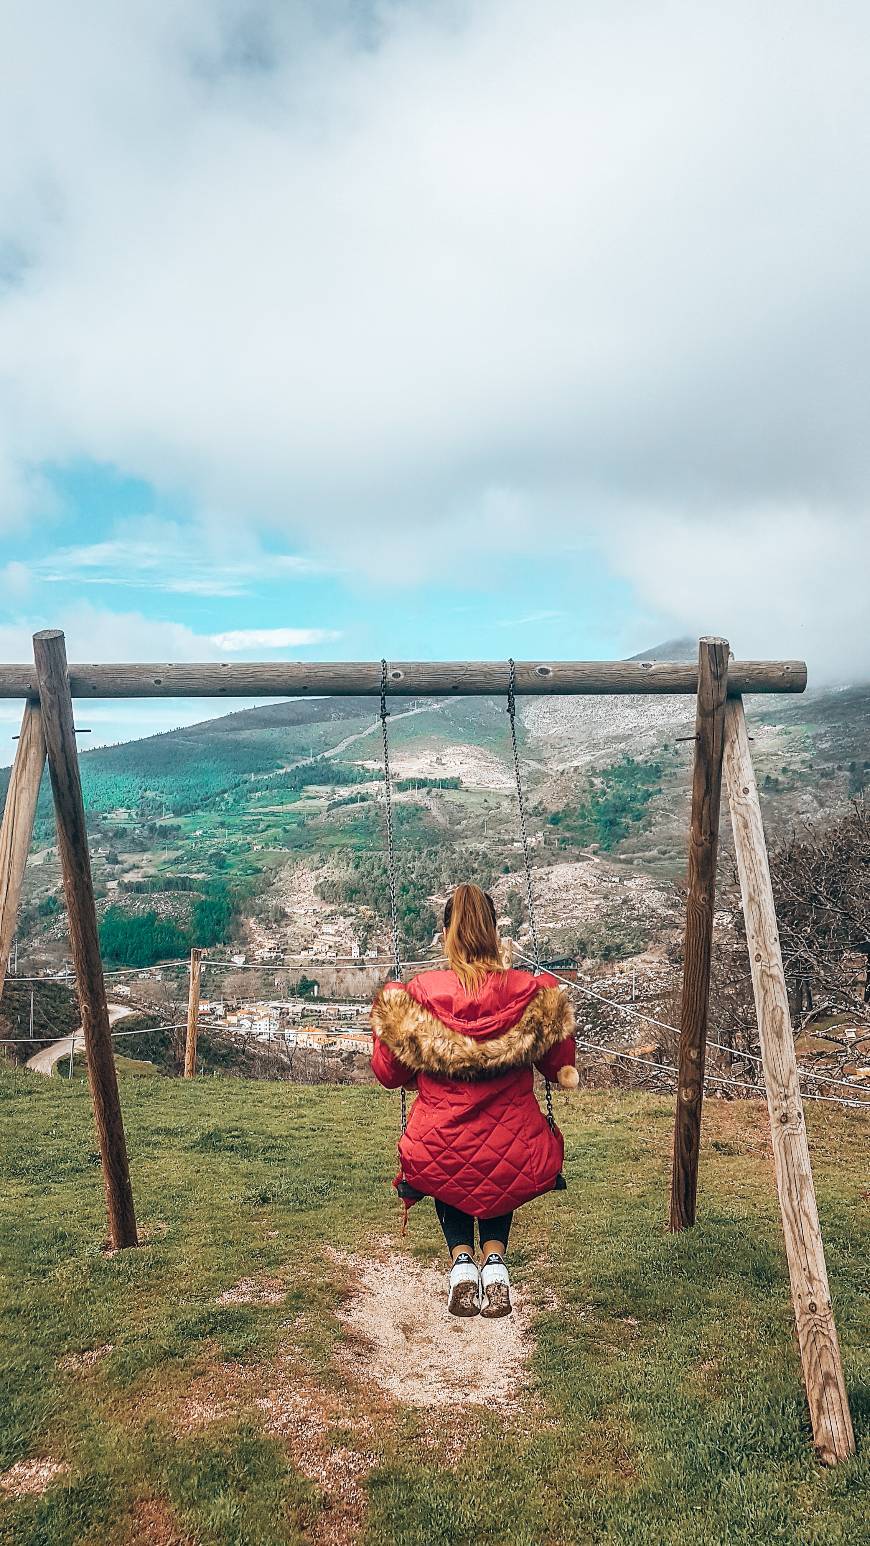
{"points": [[425, 1045]]}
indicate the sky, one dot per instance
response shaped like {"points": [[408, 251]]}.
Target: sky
{"points": [[432, 329]]}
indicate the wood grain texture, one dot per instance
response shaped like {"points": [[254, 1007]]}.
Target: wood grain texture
{"points": [[407, 678], [16, 830], [57, 719], [700, 904], [192, 1014], [816, 1331]]}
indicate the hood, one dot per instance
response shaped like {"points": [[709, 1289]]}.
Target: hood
{"points": [[500, 1002], [427, 1029]]}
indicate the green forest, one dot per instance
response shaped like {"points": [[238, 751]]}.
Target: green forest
{"points": [[362, 880], [613, 804], [142, 939]]}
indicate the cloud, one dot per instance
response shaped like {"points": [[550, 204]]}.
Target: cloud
{"points": [[98, 634], [414, 286], [781, 582], [272, 638], [530, 618], [147, 553], [95, 634], [15, 580]]}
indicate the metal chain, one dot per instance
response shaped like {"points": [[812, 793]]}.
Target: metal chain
{"points": [[391, 857], [527, 863], [521, 807]]}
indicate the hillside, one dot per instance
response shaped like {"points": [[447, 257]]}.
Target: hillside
{"points": [[266, 826], [274, 1365]]}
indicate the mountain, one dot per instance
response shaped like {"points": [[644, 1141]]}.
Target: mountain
{"points": [[684, 649], [272, 817]]}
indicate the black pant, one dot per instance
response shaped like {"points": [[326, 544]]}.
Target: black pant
{"points": [[458, 1227]]}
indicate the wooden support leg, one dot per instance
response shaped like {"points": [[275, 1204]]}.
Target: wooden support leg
{"points": [[192, 1014], [17, 828], [700, 902], [817, 1334], [49, 655]]}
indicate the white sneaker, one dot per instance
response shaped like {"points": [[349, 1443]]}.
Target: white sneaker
{"points": [[495, 1287], [464, 1296]]}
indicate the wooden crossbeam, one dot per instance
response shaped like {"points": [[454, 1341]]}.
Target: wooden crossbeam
{"points": [[405, 679]]}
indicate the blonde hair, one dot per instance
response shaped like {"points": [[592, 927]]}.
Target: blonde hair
{"points": [[471, 942]]}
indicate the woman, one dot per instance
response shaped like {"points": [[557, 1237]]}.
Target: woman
{"points": [[467, 1040]]}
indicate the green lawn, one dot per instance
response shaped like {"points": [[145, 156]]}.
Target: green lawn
{"points": [[665, 1402]]}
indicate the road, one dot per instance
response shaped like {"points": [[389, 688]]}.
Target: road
{"points": [[360, 735], [44, 1062]]}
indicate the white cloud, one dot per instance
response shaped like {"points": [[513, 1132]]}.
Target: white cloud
{"points": [[545, 616], [272, 638], [506, 275], [782, 582], [94, 634], [15, 580], [147, 553]]}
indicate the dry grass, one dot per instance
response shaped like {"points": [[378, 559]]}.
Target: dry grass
{"points": [[31, 1478], [262, 1290]]}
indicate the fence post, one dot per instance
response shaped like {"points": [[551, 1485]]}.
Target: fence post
{"points": [[192, 1014], [700, 902], [16, 830], [49, 655], [811, 1296]]}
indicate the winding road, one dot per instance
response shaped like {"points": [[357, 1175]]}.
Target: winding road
{"points": [[46, 1061]]}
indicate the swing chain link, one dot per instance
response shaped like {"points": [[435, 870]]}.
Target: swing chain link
{"points": [[521, 807], [527, 863], [391, 858], [551, 1120]]}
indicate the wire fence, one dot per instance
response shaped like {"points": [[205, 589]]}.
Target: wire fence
{"points": [[663, 1072], [670, 1071]]}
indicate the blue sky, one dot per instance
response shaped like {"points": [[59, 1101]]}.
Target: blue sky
{"points": [[114, 560], [437, 330]]}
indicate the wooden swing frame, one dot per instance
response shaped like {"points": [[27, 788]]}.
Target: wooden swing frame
{"points": [[721, 750]]}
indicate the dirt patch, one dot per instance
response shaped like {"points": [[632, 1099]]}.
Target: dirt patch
{"points": [[262, 1290], [401, 1338], [400, 1347], [305, 1417], [312, 1423], [30, 1478], [154, 1524], [74, 1363]]}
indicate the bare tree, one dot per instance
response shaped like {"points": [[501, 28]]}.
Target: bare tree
{"points": [[821, 881]]}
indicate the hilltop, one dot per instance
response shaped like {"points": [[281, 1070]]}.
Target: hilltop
{"points": [[267, 824]]}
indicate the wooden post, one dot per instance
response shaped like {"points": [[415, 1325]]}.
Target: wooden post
{"points": [[700, 902], [57, 717], [192, 1014], [817, 1334], [17, 828]]}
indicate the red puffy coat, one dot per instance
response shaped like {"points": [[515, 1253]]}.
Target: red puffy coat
{"points": [[476, 1136]]}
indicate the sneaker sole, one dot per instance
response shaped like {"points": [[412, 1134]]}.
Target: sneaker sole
{"points": [[463, 1300], [498, 1302]]}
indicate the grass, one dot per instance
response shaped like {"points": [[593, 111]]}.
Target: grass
{"points": [[666, 1403]]}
